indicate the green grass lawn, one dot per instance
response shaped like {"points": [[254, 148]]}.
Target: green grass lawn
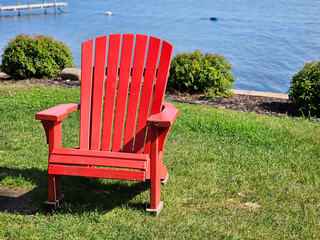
{"points": [[232, 176]]}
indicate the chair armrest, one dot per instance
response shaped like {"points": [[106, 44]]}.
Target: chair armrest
{"points": [[165, 118], [57, 113]]}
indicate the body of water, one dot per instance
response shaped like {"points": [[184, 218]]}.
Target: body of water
{"points": [[265, 41]]}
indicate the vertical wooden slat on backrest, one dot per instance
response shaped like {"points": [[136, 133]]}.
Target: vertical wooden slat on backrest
{"points": [[162, 77], [150, 72], [122, 94], [161, 83], [135, 88], [97, 91], [112, 73], [86, 87]]}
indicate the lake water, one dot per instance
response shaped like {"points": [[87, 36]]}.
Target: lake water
{"points": [[265, 41]]}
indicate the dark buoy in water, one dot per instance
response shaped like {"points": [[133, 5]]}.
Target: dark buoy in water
{"points": [[214, 19]]}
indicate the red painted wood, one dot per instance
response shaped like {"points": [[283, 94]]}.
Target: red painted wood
{"points": [[155, 170], [150, 72], [52, 193], [162, 77], [53, 133], [97, 91], [54, 188], [57, 113], [89, 153], [58, 187], [163, 133], [112, 73], [165, 118], [124, 75], [161, 83], [96, 161], [163, 169], [86, 87], [148, 170], [137, 73], [46, 126], [102, 164], [96, 172]]}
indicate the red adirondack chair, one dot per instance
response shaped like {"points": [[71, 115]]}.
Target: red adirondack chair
{"points": [[123, 119]]}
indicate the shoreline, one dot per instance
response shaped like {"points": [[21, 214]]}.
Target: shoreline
{"points": [[260, 94]]}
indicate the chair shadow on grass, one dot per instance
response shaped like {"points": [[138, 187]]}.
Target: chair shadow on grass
{"points": [[81, 194]]}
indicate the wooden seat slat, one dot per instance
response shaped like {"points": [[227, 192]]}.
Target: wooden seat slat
{"points": [[98, 161], [89, 153], [96, 172]]}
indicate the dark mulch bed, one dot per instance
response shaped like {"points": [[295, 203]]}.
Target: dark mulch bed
{"points": [[49, 82], [243, 103]]}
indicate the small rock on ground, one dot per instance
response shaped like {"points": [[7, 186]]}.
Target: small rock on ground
{"points": [[74, 74]]}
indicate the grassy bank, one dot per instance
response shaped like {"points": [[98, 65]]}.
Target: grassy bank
{"points": [[232, 176]]}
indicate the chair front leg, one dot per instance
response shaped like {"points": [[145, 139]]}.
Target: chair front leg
{"points": [[155, 174], [162, 134], [53, 133]]}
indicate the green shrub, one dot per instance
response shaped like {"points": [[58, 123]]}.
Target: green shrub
{"points": [[305, 89], [196, 73], [38, 56]]}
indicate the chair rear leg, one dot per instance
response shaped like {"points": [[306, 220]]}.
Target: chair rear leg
{"points": [[54, 192]]}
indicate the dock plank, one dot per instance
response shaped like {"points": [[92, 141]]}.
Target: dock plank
{"points": [[31, 7]]}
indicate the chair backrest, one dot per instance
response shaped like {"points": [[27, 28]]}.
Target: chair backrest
{"points": [[123, 81]]}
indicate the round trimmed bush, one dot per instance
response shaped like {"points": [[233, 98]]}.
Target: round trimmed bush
{"points": [[38, 56], [198, 73], [305, 89]]}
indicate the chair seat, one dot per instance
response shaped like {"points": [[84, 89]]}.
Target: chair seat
{"points": [[100, 164]]}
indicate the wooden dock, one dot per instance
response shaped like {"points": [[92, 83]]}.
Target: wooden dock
{"points": [[28, 7]]}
